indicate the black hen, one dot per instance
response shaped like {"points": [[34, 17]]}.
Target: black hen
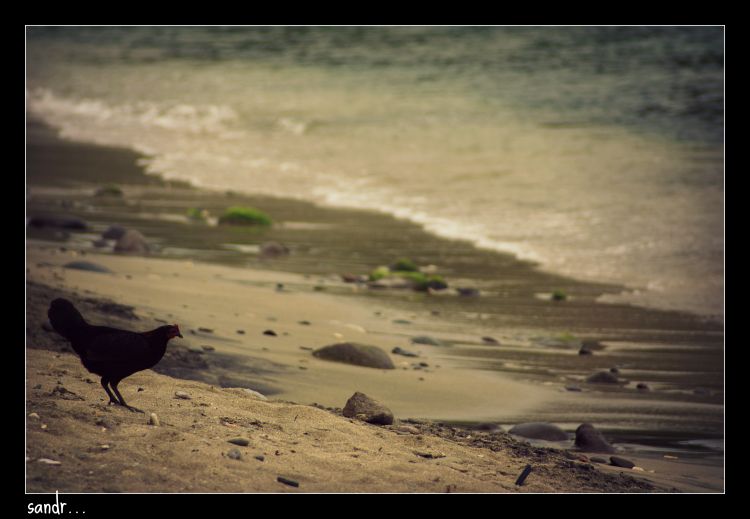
{"points": [[110, 353]]}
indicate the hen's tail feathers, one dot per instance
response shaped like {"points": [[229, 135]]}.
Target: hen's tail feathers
{"points": [[65, 319]]}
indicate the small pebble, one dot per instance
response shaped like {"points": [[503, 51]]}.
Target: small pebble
{"points": [[34, 416], [270, 332], [182, 395], [234, 454], [242, 442], [260, 458], [287, 481], [154, 420]]}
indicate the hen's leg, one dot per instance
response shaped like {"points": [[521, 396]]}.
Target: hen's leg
{"points": [[122, 400], [112, 399]]}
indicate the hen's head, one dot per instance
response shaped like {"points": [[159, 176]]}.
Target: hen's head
{"points": [[171, 331]]}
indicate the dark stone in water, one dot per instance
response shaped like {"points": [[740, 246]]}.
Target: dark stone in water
{"points": [[88, 266], [617, 461], [642, 387], [539, 431], [405, 353], [132, 242], [603, 377], [424, 339], [467, 292], [589, 439], [585, 351], [353, 278], [490, 340], [270, 332], [114, 232], [273, 249], [573, 388], [362, 407], [357, 354], [59, 222]]}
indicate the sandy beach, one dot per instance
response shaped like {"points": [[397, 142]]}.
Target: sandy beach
{"points": [[226, 299], [70, 423]]}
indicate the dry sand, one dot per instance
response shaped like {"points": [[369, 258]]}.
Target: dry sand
{"points": [[318, 448]]}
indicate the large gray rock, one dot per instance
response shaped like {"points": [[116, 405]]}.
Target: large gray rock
{"points": [[357, 354], [132, 242], [539, 431], [590, 440], [362, 407]]}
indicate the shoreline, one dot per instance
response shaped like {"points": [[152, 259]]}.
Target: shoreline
{"points": [[515, 315]]}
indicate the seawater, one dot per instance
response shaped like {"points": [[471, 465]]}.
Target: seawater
{"points": [[595, 151]]}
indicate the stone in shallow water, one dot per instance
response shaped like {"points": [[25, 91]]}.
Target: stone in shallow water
{"points": [[132, 242], [617, 461], [603, 377], [425, 339], [357, 354], [588, 438]]}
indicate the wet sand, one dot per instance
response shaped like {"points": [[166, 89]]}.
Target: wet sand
{"points": [[212, 277]]}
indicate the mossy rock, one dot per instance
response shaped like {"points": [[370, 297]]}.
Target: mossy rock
{"points": [[559, 295], [423, 281], [380, 273], [418, 280], [245, 216], [404, 265], [195, 213]]}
